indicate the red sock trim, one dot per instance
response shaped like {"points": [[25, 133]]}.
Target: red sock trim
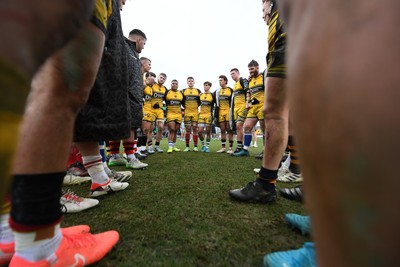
{"points": [[30, 228], [114, 147], [187, 138], [128, 147], [195, 139], [93, 163], [74, 156]]}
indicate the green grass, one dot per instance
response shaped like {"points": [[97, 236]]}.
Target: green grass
{"points": [[178, 213]]}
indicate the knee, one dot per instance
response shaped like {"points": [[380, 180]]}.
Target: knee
{"points": [[275, 109], [146, 130], [247, 128], [58, 86]]}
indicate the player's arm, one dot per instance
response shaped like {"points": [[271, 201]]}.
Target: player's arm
{"points": [[230, 96], [165, 96], [183, 99], [248, 97], [213, 102], [198, 97]]}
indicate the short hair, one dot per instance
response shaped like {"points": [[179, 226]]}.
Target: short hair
{"points": [[190, 77], [208, 83], [223, 77], [163, 74], [235, 69], [137, 32], [174, 80], [253, 63], [144, 59], [152, 74]]}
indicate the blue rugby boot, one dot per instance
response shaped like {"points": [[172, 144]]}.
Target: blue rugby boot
{"points": [[300, 222], [303, 257]]}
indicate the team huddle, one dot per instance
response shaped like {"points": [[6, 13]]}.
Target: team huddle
{"points": [[57, 73], [233, 110]]}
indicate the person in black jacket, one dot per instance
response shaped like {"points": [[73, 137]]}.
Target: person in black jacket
{"points": [[135, 43]]}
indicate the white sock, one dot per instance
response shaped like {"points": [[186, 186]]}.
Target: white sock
{"points": [[106, 169], [286, 163], [6, 234], [115, 156], [27, 248], [95, 168], [131, 157]]}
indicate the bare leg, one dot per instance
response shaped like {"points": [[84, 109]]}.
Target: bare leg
{"points": [[160, 127], [254, 135], [146, 127], [172, 132], [208, 132], [201, 133], [59, 90], [44, 123], [51, 110], [150, 134], [26, 20], [334, 53], [88, 148], [230, 136], [223, 134], [38, 28], [276, 114], [239, 132], [177, 127]]}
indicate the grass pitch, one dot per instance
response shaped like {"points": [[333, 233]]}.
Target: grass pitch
{"points": [[178, 213]]}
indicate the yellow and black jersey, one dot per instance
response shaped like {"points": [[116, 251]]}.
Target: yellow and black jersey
{"points": [[191, 99], [101, 13], [206, 103], [276, 33], [223, 98], [147, 95], [276, 62], [158, 95], [173, 100], [256, 89], [240, 89]]}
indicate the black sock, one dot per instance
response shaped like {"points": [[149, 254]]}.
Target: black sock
{"points": [[142, 141], [35, 198], [267, 178], [239, 144], [294, 166]]}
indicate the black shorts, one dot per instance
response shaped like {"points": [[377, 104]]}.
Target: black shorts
{"points": [[276, 63], [137, 116]]}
